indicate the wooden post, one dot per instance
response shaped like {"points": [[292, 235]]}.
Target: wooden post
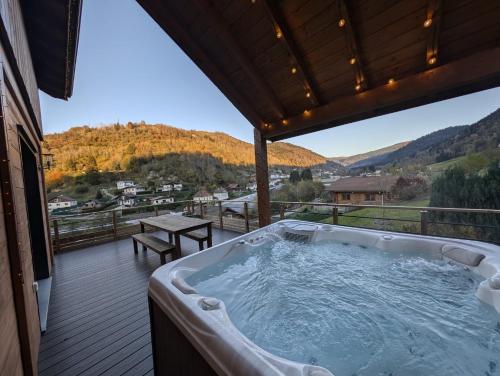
{"points": [[201, 209], [156, 211], [335, 215], [114, 225], [247, 223], [56, 236], [282, 211], [262, 176], [424, 221], [221, 222]]}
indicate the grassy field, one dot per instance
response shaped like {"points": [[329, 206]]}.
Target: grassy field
{"points": [[385, 219], [442, 166]]}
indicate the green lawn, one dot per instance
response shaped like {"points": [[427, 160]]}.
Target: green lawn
{"points": [[375, 218], [442, 166]]}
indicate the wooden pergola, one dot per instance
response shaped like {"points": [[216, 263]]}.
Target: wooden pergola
{"points": [[297, 66]]}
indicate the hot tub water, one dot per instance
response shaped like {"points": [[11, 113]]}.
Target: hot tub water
{"points": [[357, 310]]}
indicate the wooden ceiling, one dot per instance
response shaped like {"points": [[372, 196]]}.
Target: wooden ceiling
{"points": [[53, 28], [297, 66]]}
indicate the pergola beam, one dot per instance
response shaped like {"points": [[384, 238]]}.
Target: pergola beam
{"points": [[433, 17], [474, 73], [352, 46], [227, 39], [276, 17], [262, 177]]}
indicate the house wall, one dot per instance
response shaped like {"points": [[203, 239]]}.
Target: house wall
{"points": [[358, 198], [19, 332], [10, 352]]}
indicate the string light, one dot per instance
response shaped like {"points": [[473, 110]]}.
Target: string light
{"points": [[341, 22], [357, 87], [307, 113], [391, 81], [352, 61], [279, 34], [428, 22], [294, 70], [284, 122], [432, 60], [308, 94]]}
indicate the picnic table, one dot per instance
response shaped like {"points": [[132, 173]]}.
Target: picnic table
{"points": [[177, 225]]}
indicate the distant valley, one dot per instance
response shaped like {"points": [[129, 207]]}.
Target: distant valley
{"points": [[439, 146]]}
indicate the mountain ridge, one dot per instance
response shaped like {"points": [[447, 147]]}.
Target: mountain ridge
{"points": [[353, 159], [112, 147]]}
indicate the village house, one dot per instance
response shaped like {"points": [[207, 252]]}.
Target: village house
{"points": [[252, 186], [203, 196], [127, 200], [122, 184], [133, 190], [221, 194], [362, 190], [171, 187], [233, 187], [91, 204], [62, 202], [159, 200]]}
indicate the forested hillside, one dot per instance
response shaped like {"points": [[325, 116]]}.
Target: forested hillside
{"points": [[443, 145], [112, 148]]}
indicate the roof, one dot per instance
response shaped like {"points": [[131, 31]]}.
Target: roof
{"points": [[202, 194], [364, 184], [294, 67], [61, 198], [52, 28], [220, 190], [237, 205]]}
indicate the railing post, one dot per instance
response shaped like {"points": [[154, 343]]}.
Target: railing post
{"points": [[282, 212], [201, 209], [424, 222], [247, 223], [56, 236], [221, 222], [335, 217], [156, 211], [114, 224]]}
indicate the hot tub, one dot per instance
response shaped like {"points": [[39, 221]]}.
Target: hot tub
{"points": [[299, 298]]}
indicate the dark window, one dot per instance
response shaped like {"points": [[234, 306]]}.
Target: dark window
{"points": [[370, 197], [346, 196]]}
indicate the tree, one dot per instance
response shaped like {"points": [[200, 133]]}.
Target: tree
{"points": [[306, 191], [306, 174], [98, 195], [459, 189], [294, 177], [409, 187]]}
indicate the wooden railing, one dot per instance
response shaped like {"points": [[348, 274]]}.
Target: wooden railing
{"points": [[81, 230]]}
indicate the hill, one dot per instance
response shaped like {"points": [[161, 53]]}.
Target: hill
{"points": [[369, 158], [442, 145], [111, 148]]}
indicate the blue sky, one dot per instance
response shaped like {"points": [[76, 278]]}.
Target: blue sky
{"points": [[128, 69]]}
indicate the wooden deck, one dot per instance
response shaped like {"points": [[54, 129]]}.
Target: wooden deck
{"points": [[98, 320]]}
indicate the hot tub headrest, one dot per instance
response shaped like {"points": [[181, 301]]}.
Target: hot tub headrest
{"points": [[462, 255]]}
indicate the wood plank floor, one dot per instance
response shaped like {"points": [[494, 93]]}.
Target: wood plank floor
{"points": [[98, 320]]}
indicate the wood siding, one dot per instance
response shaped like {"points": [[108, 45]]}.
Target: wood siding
{"points": [[359, 198], [10, 353], [18, 349], [10, 11]]}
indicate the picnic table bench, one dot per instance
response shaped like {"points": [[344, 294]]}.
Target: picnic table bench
{"points": [[154, 243]]}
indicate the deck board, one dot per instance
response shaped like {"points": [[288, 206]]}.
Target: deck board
{"points": [[98, 321]]}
